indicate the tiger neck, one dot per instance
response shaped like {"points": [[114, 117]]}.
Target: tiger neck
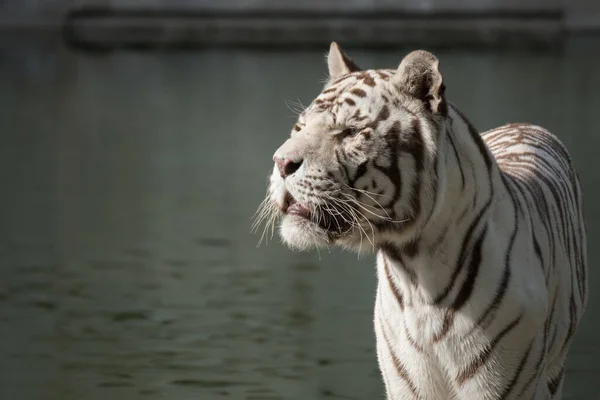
{"points": [[468, 183]]}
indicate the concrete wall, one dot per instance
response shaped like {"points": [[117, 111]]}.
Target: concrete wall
{"points": [[28, 12], [50, 11], [352, 5], [582, 14], [576, 14]]}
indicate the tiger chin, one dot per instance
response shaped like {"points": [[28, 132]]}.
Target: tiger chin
{"points": [[480, 237]]}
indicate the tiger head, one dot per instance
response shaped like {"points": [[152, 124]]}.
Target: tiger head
{"points": [[360, 163]]}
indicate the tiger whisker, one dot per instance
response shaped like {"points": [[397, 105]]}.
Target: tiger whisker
{"points": [[295, 106], [356, 189], [352, 200], [353, 222], [346, 203], [364, 207], [368, 194], [267, 213]]}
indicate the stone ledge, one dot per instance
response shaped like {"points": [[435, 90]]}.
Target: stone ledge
{"points": [[107, 29]]}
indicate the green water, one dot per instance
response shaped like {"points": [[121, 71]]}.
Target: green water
{"points": [[128, 183]]}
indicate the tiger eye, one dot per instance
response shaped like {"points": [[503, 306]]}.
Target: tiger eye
{"points": [[349, 132]]}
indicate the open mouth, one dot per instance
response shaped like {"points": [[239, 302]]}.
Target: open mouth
{"points": [[292, 207], [324, 219]]}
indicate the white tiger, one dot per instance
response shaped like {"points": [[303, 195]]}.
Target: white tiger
{"points": [[480, 239]]}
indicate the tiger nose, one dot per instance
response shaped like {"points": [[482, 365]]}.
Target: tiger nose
{"points": [[286, 166]]}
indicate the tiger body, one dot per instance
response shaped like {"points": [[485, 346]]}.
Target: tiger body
{"points": [[480, 239], [497, 325]]}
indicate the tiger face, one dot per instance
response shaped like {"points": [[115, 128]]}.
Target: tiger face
{"points": [[359, 164]]}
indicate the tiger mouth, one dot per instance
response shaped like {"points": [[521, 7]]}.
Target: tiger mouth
{"points": [[320, 217], [292, 207]]}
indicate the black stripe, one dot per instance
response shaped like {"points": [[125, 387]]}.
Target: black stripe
{"points": [[517, 375], [538, 364], [434, 189], [482, 358], [393, 171], [501, 290], [463, 253], [554, 383], [338, 157], [393, 288], [413, 144], [483, 150], [536, 247], [400, 368], [439, 239], [557, 194], [543, 208], [466, 290], [460, 167], [361, 170], [391, 251], [572, 322], [469, 284]]}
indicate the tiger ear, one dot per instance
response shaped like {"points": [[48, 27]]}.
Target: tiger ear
{"points": [[339, 64], [419, 76]]}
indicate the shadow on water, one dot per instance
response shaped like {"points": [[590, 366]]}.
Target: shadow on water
{"points": [[129, 181]]}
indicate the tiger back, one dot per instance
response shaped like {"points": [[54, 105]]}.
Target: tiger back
{"points": [[546, 186]]}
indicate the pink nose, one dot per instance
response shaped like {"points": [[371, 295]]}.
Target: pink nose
{"points": [[286, 166]]}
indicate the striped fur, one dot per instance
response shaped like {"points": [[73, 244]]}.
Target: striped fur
{"points": [[480, 239]]}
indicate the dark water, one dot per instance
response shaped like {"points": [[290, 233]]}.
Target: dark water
{"points": [[128, 270]]}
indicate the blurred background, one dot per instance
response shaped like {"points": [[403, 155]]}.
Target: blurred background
{"points": [[135, 141]]}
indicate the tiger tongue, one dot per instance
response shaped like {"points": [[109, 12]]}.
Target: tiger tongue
{"points": [[296, 208]]}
